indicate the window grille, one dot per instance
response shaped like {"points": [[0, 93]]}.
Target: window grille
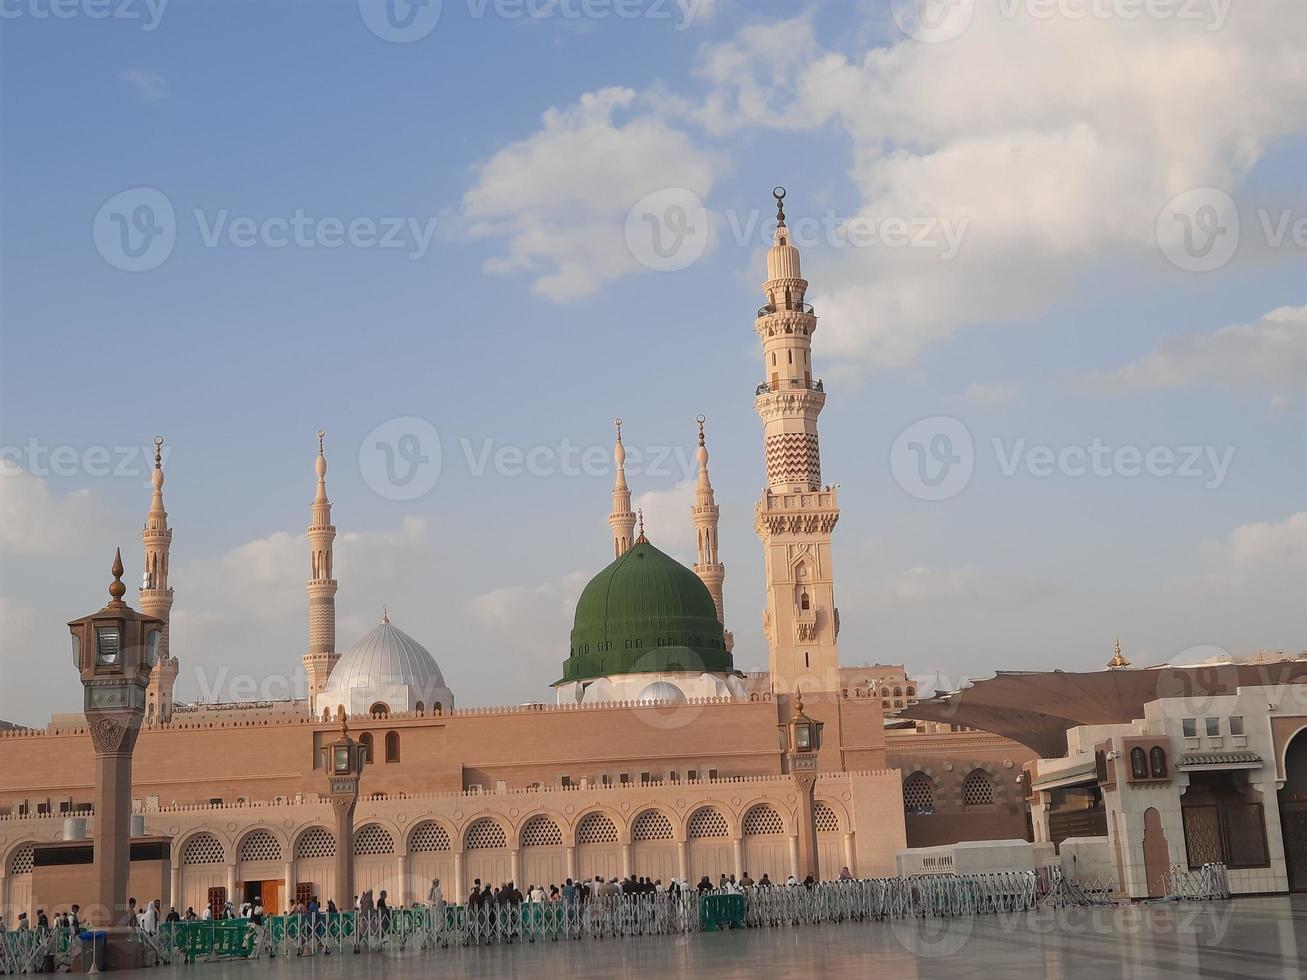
{"points": [[203, 849], [708, 822], [21, 862], [429, 837], [484, 834], [977, 790], [259, 846], [763, 819], [596, 828], [374, 839], [918, 792], [316, 842], [826, 820], [651, 825], [541, 831]]}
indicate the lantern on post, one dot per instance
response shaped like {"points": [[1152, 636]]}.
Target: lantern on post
{"points": [[344, 760], [800, 740]]}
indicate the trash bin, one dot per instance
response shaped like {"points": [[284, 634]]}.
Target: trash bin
{"points": [[93, 943]]}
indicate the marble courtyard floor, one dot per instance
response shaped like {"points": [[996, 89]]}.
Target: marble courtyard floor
{"points": [[1236, 940]]}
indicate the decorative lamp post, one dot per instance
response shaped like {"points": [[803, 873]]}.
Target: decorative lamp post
{"points": [[114, 650], [800, 740], [344, 760]]}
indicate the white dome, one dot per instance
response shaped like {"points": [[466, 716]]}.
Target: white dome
{"points": [[662, 691], [386, 666]]}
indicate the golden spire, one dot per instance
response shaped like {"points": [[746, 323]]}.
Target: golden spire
{"points": [[385, 615], [778, 192], [158, 452], [116, 588], [1118, 662], [639, 516]]}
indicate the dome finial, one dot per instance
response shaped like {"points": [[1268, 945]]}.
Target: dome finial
{"points": [[385, 614], [701, 420], [1118, 662], [778, 192], [639, 516], [158, 452]]}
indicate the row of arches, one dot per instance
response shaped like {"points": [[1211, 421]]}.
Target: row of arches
{"points": [[922, 793]]}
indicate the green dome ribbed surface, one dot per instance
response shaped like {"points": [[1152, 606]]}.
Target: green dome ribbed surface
{"points": [[645, 613]]}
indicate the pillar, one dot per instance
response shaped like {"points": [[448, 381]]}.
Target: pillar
{"points": [[571, 861], [174, 889], [683, 860], [287, 888], [460, 886], [345, 855], [4, 891], [113, 786], [850, 855], [515, 866], [231, 886], [737, 845], [400, 894], [626, 861], [794, 855]]}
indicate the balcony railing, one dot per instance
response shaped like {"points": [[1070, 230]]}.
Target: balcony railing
{"points": [[792, 308], [789, 383]]}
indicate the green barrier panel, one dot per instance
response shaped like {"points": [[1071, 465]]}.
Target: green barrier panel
{"points": [[721, 912]]}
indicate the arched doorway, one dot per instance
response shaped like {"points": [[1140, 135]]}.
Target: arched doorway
{"points": [[1293, 811], [1156, 856]]}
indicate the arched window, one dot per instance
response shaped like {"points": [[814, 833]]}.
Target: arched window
{"points": [[884, 692], [977, 789], [898, 692], [1138, 763], [919, 794], [326, 714], [392, 746], [365, 740], [379, 710], [1157, 762], [804, 601], [421, 709]]}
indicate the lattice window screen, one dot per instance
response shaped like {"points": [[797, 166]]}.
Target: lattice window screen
{"points": [[259, 846], [540, 831], [762, 819], [596, 828], [317, 842], [825, 819], [651, 825], [485, 833], [918, 791], [429, 837], [708, 823], [203, 849], [374, 839], [21, 862], [977, 789]]}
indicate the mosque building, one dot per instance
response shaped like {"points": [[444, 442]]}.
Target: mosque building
{"points": [[659, 758]]}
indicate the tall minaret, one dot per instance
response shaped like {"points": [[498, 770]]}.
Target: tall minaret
{"points": [[706, 513], [622, 519], [322, 655], [156, 594], [796, 514]]}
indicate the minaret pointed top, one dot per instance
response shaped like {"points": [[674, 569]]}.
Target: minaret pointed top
{"points": [[156, 477], [116, 588], [619, 455], [321, 468], [778, 192], [702, 456]]}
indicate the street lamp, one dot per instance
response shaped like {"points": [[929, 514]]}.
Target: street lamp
{"points": [[344, 760], [800, 740]]}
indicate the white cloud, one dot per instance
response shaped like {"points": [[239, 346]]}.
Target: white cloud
{"points": [[560, 197], [667, 521], [150, 86], [32, 522], [1252, 547], [965, 584], [1270, 353], [989, 394], [531, 624]]}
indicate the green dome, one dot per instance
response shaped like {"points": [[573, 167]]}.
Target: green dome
{"points": [[645, 613]]}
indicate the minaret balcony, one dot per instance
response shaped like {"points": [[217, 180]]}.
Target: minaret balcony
{"points": [[789, 384], [769, 309]]}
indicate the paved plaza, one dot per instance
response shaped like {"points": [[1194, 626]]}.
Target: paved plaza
{"points": [[1243, 939]]}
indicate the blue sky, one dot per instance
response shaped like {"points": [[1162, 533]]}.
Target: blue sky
{"points": [[528, 321]]}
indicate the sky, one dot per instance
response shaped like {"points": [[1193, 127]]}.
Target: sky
{"points": [[1056, 251]]}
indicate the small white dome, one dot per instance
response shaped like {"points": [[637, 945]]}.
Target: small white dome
{"points": [[390, 667], [662, 691]]}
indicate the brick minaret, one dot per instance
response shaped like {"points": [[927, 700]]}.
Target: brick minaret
{"points": [[706, 513], [322, 655], [796, 514], [622, 519], [156, 595]]}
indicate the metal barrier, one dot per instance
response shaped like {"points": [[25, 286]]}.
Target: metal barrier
{"points": [[412, 930]]}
